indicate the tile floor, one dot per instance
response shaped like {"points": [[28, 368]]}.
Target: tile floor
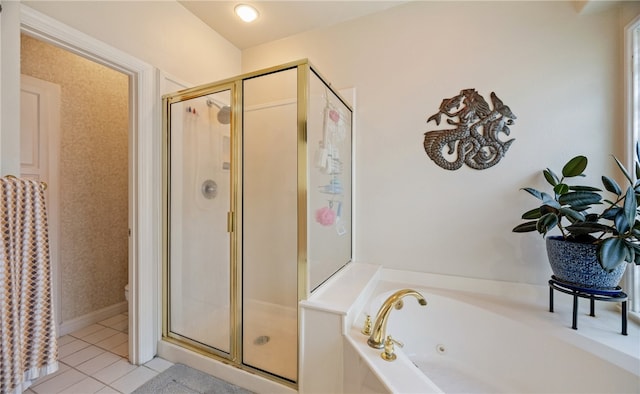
{"points": [[94, 360]]}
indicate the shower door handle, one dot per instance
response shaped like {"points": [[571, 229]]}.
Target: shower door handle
{"points": [[230, 222]]}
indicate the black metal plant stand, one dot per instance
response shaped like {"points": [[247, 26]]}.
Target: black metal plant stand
{"points": [[613, 295]]}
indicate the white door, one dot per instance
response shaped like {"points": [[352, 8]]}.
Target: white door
{"points": [[39, 147]]}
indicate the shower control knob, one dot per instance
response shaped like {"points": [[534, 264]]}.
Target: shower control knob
{"points": [[209, 189]]}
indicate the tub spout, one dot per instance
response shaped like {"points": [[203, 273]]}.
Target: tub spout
{"points": [[379, 331]]}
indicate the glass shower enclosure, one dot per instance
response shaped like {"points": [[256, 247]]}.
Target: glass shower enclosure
{"points": [[257, 212]]}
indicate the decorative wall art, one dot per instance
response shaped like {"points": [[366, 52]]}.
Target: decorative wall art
{"points": [[474, 140]]}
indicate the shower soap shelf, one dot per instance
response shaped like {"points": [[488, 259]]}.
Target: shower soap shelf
{"points": [[609, 295]]}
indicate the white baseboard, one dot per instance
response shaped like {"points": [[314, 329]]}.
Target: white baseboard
{"points": [[90, 318]]}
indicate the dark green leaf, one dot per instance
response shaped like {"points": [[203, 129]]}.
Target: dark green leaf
{"points": [[632, 245], [532, 214], [525, 227], [585, 188], [551, 177], [574, 167], [630, 206], [631, 254], [579, 198], [622, 225], [545, 209], [546, 223], [612, 252], [550, 202], [611, 185], [588, 228], [610, 213], [580, 208], [561, 188], [591, 217], [623, 169], [533, 192], [575, 216]]}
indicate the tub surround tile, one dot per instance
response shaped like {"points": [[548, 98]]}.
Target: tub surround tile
{"points": [[341, 292]]}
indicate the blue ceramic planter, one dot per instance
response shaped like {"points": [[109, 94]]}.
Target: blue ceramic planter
{"points": [[577, 264]]}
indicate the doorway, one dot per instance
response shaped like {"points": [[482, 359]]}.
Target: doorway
{"points": [[88, 168], [144, 184]]}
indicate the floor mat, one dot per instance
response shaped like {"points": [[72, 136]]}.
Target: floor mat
{"points": [[180, 379]]}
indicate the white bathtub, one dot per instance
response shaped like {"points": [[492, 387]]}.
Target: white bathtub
{"points": [[471, 343]]}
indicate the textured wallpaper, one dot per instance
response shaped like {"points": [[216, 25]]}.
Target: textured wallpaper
{"points": [[93, 176]]}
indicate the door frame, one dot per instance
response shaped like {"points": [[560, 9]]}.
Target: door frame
{"points": [[144, 173]]}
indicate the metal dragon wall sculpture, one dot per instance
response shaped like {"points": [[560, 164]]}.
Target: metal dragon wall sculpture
{"points": [[474, 140]]}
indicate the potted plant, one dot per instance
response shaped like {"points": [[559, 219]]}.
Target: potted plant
{"points": [[593, 245]]}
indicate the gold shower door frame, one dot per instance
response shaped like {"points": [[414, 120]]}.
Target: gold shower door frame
{"points": [[234, 320], [234, 217]]}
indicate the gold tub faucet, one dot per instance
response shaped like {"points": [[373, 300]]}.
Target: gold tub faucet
{"points": [[379, 331]]}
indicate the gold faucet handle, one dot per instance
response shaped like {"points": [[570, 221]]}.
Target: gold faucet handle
{"points": [[389, 351], [366, 329], [393, 340]]}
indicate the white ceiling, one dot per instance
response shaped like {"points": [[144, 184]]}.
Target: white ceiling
{"points": [[279, 19]]}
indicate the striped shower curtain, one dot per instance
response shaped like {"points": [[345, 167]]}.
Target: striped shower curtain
{"points": [[28, 346]]}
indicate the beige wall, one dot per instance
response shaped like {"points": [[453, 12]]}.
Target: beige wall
{"points": [[92, 176], [559, 71], [161, 33]]}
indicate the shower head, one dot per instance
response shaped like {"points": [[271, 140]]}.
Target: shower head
{"points": [[224, 111]]}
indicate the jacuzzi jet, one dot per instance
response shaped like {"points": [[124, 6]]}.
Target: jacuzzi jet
{"points": [[261, 340], [441, 349]]}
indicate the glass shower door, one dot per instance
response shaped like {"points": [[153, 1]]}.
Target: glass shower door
{"points": [[270, 227], [199, 245]]}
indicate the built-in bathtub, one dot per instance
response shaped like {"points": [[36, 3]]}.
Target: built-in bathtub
{"points": [[454, 346], [473, 336]]}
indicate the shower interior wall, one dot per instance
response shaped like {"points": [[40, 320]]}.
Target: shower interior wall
{"points": [[199, 240]]}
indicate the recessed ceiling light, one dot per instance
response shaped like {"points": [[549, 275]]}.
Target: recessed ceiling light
{"points": [[246, 12]]}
